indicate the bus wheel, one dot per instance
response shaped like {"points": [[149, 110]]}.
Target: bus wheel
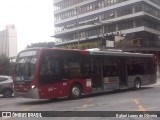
{"points": [[137, 84], [76, 91]]}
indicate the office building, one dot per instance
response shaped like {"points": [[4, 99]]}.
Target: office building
{"points": [[8, 41], [127, 24]]}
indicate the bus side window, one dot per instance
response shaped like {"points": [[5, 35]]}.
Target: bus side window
{"points": [[66, 70], [110, 71], [87, 69], [55, 67], [50, 70], [72, 68], [44, 66]]}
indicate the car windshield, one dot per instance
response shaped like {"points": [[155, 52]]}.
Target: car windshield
{"points": [[25, 67]]}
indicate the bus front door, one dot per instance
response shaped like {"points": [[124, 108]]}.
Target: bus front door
{"points": [[122, 70], [96, 65]]}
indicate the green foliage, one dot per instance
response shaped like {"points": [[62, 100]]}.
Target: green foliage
{"points": [[12, 68], [4, 65], [41, 44], [94, 44]]}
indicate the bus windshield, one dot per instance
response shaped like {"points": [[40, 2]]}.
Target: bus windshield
{"points": [[25, 67]]}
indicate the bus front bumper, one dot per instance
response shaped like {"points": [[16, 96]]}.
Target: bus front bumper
{"points": [[30, 94]]}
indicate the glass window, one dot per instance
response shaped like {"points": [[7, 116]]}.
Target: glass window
{"points": [[139, 22], [112, 1], [87, 68], [102, 3], [50, 69], [125, 25], [101, 16], [3, 79], [91, 6], [72, 67], [58, 65], [96, 6], [111, 28], [124, 11], [110, 68], [88, 7], [108, 2], [138, 7], [26, 68], [137, 66]]}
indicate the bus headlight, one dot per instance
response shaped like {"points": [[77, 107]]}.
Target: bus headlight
{"points": [[33, 86]]}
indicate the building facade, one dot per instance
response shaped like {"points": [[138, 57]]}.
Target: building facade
{"points": [[8, 41], [131, 25]]}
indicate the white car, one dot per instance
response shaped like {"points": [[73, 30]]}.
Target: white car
{"points": [[6, 86]]}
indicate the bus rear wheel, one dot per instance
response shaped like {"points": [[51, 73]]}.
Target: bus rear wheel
{"points": [[137, 83], [76, 91]]}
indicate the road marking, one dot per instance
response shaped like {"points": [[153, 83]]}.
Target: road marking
{"points": [[136, 101], [108, 103], [122, 101], [141, 108], [90, 99], [24, 107], [86, 105]]}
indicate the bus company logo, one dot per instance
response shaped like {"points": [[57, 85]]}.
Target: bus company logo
{"points": [[6, 114]]}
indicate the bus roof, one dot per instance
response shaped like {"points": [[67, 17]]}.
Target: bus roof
{"points": [[120, 53], [98, 52]]}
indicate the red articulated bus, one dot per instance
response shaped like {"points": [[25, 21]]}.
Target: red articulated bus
{"points": [[46, 73]]}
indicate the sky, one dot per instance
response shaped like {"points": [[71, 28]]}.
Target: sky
{"points": [[33, 19]]}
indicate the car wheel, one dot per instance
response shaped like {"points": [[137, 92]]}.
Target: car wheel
{"points": [[7, 93], [137, 84], [76, 91]]}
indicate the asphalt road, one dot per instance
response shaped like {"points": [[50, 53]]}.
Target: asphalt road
{"points": [[145, 99]]}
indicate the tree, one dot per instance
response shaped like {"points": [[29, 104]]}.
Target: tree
{"points": [[12, 68], [4, 65], [41, 44]]}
